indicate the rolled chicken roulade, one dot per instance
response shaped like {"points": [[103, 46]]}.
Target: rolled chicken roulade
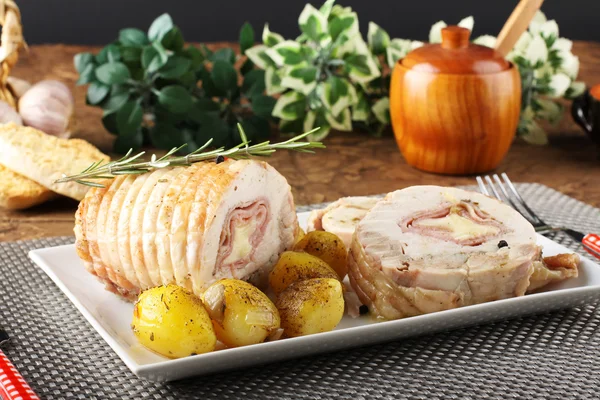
{"points": [[186, 225], [428, 248]]}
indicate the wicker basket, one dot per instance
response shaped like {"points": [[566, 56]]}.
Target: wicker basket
{"points": [[11, 41]]}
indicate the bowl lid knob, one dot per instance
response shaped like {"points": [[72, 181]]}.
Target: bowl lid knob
{"points": [[455, 37]]}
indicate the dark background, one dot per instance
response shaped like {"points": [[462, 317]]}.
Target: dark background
{"points": [[97, 22]]}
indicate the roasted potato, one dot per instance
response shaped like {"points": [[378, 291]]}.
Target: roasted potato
{"points": [[328, 247], [295, 266], [172, 322], [241, 314], [311, 306]]}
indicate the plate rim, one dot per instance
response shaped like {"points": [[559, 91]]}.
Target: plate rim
{"points": [[142, 370]]}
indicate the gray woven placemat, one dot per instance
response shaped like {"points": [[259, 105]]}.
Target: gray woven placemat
{"points": [[550, 356]]}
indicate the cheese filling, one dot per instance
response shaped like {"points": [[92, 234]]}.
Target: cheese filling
{"points": [[241, 247], [459, 227]]}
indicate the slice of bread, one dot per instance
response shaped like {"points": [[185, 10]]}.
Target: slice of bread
{"points": [[44, 158], [18, 192]]}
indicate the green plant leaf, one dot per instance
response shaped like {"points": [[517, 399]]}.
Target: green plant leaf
{"points": [[175, 99], [213, 127], [132, 37], [224, 75], [173, 40], [125, 142], [361, 65], [175, 67], [342, 122], [316, 119], [255, 127], [381, 110], [247, 66], [188, 80], [294, 127], [112, 73], [119, 95], [286, 53], [166, 136], [209, 87], [378, 39], [131, 55], [313, 24], [360, 111], [194, 55], [109, 121], [246, 37], [160, 27], [224, 54], [160, 57], [129, 118], [254, 83], [290, 106], [338, 94], [97, 92], [108, 54], [269, 38], [87, 75], [273, 81], [263, 105], [258, 55], [300, 78], [148, 54], [82, 60], [201, 107], [346, 24]]}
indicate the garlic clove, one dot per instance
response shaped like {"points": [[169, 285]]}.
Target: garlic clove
{"points": [[9, 114], [48, 106]]}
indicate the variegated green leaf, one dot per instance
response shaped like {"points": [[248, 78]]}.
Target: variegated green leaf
{"points": [[326, 8], [313, 24], [259, 57], [378, 39], [269, 38], [290, 106], [486, 40], [316, 119], [342, 122], [343, 27], [550, 110], [360, 111], [287, 52], [361, 63], [273, 81], [381, 110], [339, 10], [301, 78], [337, 95], [435, 33], [398, 49]]}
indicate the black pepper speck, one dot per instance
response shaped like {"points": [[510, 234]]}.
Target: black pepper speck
{"points": [[502, 244], [364, 309], [220, 159]]}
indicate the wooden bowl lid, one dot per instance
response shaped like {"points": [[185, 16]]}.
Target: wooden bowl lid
{"points": [[455, 55]]}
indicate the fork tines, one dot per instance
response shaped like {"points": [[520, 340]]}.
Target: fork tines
{"points": [[508, 193]]}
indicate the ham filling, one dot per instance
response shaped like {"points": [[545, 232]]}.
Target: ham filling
{"points": [[243, 231], [463, 223]]}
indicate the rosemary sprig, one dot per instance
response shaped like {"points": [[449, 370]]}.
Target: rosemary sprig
{"points": [[128, 165]]}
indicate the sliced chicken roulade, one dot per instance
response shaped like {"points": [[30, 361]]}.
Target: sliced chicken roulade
{"points": [[186, 225], [428, 248]]}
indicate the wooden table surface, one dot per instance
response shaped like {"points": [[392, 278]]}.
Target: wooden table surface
{"points": [[353, 164]]}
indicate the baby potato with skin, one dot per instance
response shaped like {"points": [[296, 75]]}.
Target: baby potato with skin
{"points": [[172, 322], [295, 266], [241, 314], [328, 247], [311, 306]]}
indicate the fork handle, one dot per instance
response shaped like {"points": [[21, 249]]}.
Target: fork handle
{"points": [[12, 384]]}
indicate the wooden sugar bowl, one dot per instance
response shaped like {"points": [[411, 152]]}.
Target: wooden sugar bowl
{"points": [[455, 106]]}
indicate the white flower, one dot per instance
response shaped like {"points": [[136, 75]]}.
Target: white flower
{"points": [[537, 51], [435, 33], [523, 42], [563, 45], [559, 84], [538, 20], [570, 65], [486, 40], [549, 28], [416, 44], [577, 89]]}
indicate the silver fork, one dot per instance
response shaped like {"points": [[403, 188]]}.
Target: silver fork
{"points": [[591, 242]]}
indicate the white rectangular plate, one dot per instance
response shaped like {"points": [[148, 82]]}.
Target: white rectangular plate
{"points": [[111, 317]]}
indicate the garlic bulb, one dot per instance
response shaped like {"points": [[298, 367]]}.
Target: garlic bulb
{"points": [[9, 114], [17, 86], [48, 106]]}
